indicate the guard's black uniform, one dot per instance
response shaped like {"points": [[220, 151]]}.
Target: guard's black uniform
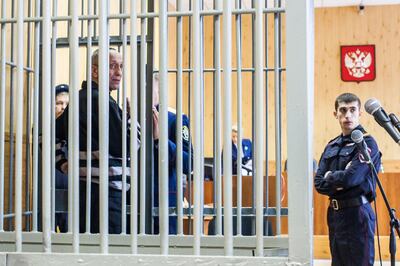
{"points": [[350, 187]]}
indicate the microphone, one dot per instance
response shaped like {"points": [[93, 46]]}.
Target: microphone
{"points": [[395, 121], [373, 107], [358, 138]]}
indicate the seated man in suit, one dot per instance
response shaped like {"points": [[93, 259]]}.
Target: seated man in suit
{"points": [[246, 152]]}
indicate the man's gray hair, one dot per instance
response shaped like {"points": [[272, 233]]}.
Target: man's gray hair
{"points": [[95, 56]]}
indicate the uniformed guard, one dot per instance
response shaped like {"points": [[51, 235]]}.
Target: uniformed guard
{"points": [[344, 175], [172, 155]]}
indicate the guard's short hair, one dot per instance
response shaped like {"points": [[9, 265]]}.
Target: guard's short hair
{"points": [[347, 98]]}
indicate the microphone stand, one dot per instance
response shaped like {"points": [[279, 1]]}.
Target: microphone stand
{"points": [[394, 222]]}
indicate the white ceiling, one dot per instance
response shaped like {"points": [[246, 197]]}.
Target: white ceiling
{"points": [[208, 4]]}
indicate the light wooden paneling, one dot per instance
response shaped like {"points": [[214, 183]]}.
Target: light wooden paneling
{"points": [[378, 25]]}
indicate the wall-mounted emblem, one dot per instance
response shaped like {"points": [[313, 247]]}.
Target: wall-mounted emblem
{"points": [[357, 62]]}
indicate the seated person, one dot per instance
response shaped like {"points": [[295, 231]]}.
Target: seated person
{"points": [[247, 156]]}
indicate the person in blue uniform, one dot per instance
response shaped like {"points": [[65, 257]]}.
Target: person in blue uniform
{"points": [[247, 156], [61, 215], [345, 177], [172, 156]]}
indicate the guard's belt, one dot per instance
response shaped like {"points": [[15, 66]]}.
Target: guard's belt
{"points": [[341, 204]]}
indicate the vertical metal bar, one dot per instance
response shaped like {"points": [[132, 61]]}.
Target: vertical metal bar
{"points": [[82, 13], [278, 118], [179, 77], [143, 148], [35, 148], [2, 110], [124, 119], [149, 119], [89, 119], [95, 11], [300, 126], [19, 123], [11, 127], [197, 126], [253, 121], [266, 167], [202, 116], [190, 192], [103, 125], [134, 129], [239, 118], [53, 123], [163, 126], [46, 134], [217, 119], [227, 65], [73, 130], [259, 126], [28, 122]]}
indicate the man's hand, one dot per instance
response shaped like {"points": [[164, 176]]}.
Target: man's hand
{"points": [[64, 168], [156, 130]]}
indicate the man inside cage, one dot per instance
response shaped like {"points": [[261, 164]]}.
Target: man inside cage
{"points": [[115, 146]]}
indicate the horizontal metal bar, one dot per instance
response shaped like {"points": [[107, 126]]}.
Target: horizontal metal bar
{"points": [[28, 69], [174, 70], [12, 215], [121, 243], [147, 15], [246, 211], [114, 40]]}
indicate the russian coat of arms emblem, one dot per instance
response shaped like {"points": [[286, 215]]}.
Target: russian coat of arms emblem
{"points": [[358, 62]]}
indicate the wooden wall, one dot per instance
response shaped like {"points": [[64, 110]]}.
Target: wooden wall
{"points": [[378, 25]]}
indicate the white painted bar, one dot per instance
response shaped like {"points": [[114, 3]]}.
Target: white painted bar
{"points": [[197, 127], [278, 118], [89, 120], [19, 102], [134, 129], [163, 175], [124, 121], [73, 119], [300, 126], [238, 23], [35, 136], [2, 111], [46, 137], [217, 123], [103, 121], [227, 120], [53, 118], [179, 165], [259, 126], [143, 60]]}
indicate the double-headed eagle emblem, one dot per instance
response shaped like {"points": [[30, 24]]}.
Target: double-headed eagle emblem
{"points": [[357, 63]]}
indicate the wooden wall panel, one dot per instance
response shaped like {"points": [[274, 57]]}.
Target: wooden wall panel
{"points": [[378, 25]]}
